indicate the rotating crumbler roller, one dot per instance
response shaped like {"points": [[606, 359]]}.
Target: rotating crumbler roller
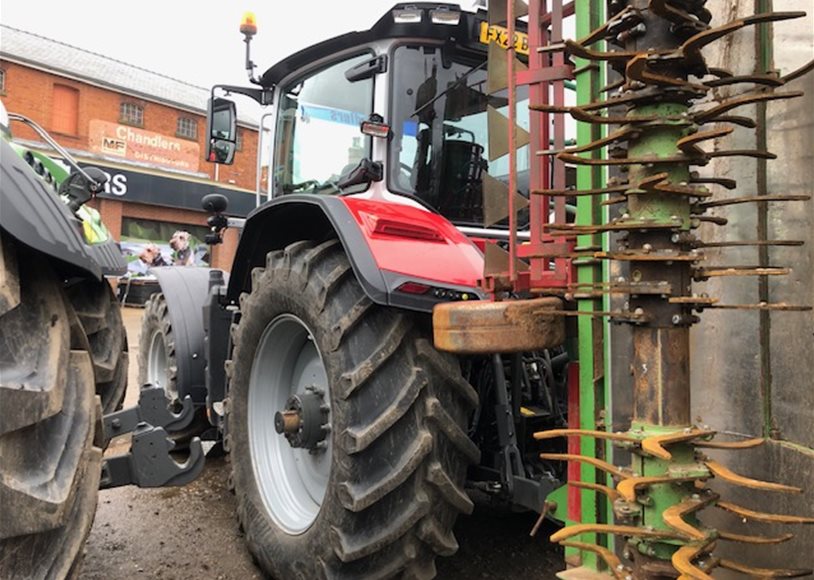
{"points": [[664, 201]]}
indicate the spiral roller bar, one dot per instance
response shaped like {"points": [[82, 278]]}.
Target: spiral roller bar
{"points": [[664, 133]]}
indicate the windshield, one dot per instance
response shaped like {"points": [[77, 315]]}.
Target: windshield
{"points": [[440, 146], [317, 140]]}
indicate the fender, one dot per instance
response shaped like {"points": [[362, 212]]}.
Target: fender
{"points": [[186, 291], [388, 244], [37, 217]]}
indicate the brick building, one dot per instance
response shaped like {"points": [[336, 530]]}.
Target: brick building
{"points": [[144, 129]]}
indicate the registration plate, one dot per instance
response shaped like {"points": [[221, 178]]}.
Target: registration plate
{"points": [[500, 36]]}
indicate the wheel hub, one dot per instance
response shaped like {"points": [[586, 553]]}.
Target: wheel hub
{"points": [[304, 420]]}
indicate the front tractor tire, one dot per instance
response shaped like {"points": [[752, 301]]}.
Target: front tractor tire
{"points": [[50, 460], [346, 427]]}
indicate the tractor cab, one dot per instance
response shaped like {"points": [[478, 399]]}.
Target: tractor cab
{"points": [[398, 112]]}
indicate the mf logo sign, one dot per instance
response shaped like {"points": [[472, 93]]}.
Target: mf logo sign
{"points": [[114, 146]]}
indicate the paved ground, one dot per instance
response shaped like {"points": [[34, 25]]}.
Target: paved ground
{"points": [[191, 532]]}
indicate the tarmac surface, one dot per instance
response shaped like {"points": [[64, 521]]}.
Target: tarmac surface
{"points": [[180, 533]]}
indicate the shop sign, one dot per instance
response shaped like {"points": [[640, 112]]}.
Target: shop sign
{"points": [[143, 146], [139, 187]]}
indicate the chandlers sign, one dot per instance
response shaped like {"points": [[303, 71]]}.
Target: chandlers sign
{"points": [[145, 146], [135, 186]]}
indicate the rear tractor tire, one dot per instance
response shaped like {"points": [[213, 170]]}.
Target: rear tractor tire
{"points": [[346, 427], [49, 420], [157, 365]]}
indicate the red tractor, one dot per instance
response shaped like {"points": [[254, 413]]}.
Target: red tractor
{"points": [[354, 440]]}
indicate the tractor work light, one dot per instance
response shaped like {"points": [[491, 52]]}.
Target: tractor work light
{"points": [[248, 25], [408, 15], [375, 127], [445, 16]]}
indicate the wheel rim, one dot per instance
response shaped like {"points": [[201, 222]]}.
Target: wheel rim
{"points": [[157, 364], [292, 481]]}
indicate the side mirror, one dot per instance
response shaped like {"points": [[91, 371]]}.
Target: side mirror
{"points": [[221, 130]]}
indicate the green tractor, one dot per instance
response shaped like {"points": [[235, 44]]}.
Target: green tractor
{"points": [[63, 355]]}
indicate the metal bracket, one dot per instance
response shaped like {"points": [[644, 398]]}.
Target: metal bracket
{"points": [[153, 409], [148, 463]]}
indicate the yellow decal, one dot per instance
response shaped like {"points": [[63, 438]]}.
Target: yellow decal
{"points": [[500, 35]]}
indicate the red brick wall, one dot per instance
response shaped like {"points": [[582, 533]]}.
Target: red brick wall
{"points": [[29, 92]]}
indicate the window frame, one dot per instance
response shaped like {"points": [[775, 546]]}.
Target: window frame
{"points": [[188, 122], [311, 71], [125, 119]]}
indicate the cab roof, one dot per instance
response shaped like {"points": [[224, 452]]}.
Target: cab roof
{"points": [[464, 35]]}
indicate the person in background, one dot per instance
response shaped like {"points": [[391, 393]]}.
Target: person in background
{"points": [[149, 257], [182, 253]]}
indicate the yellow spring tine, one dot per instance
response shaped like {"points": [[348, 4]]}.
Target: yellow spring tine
{"points": [[762, 516], [578, 529], [598, 463], [655, 445], [745, 444], [612, 494], [754, 539], [674, 516], [732, 477], [552, 433], [763, 572]]}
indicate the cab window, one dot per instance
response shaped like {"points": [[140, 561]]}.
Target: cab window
{"points": [[318, 141]]}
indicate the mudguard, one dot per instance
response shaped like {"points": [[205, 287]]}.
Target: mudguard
{"points": [[35, 216], [186, 291], [383, 254]]}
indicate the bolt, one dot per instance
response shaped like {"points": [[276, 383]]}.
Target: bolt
{"points": [[676, 319], [116, 424]]}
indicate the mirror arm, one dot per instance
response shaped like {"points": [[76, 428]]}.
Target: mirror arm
{"points": [[264, 96]]}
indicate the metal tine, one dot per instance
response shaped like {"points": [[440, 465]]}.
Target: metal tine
{"points": [[598, 463], [754, 539], [609, 435], [756, 153], [619, 571], [746, 243], [718, 221], [745, 99], [589, 229], [611, 493], [578, 192], [726, 474], [699, 301], [767, 80], [657, 256], [764, 572], [722, 181], [806, 68], [753, 199], [622, 134], [689, 144], [576, 49], [655, 445], [721, 271], [577, 529], [777, 306], [674, 515], [638, 70], [693, 45], [675, 15], [682, 561], [743, 444], [749, 514]]}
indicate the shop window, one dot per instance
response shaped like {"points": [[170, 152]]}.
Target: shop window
{"points": [[146, 243], [187, 128], [65, 110], [2, 81], [131, 114]]}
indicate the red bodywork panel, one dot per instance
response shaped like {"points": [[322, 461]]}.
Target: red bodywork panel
{"points": [[417, 243]]}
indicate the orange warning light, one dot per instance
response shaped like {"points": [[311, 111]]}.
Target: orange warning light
{"points": [[248, 25]]}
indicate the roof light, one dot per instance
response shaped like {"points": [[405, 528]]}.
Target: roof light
{"points": [[445, 16], [408, 15], [248, 25]]}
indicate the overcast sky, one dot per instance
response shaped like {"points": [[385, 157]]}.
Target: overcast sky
{"points": [[193, 41]]}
